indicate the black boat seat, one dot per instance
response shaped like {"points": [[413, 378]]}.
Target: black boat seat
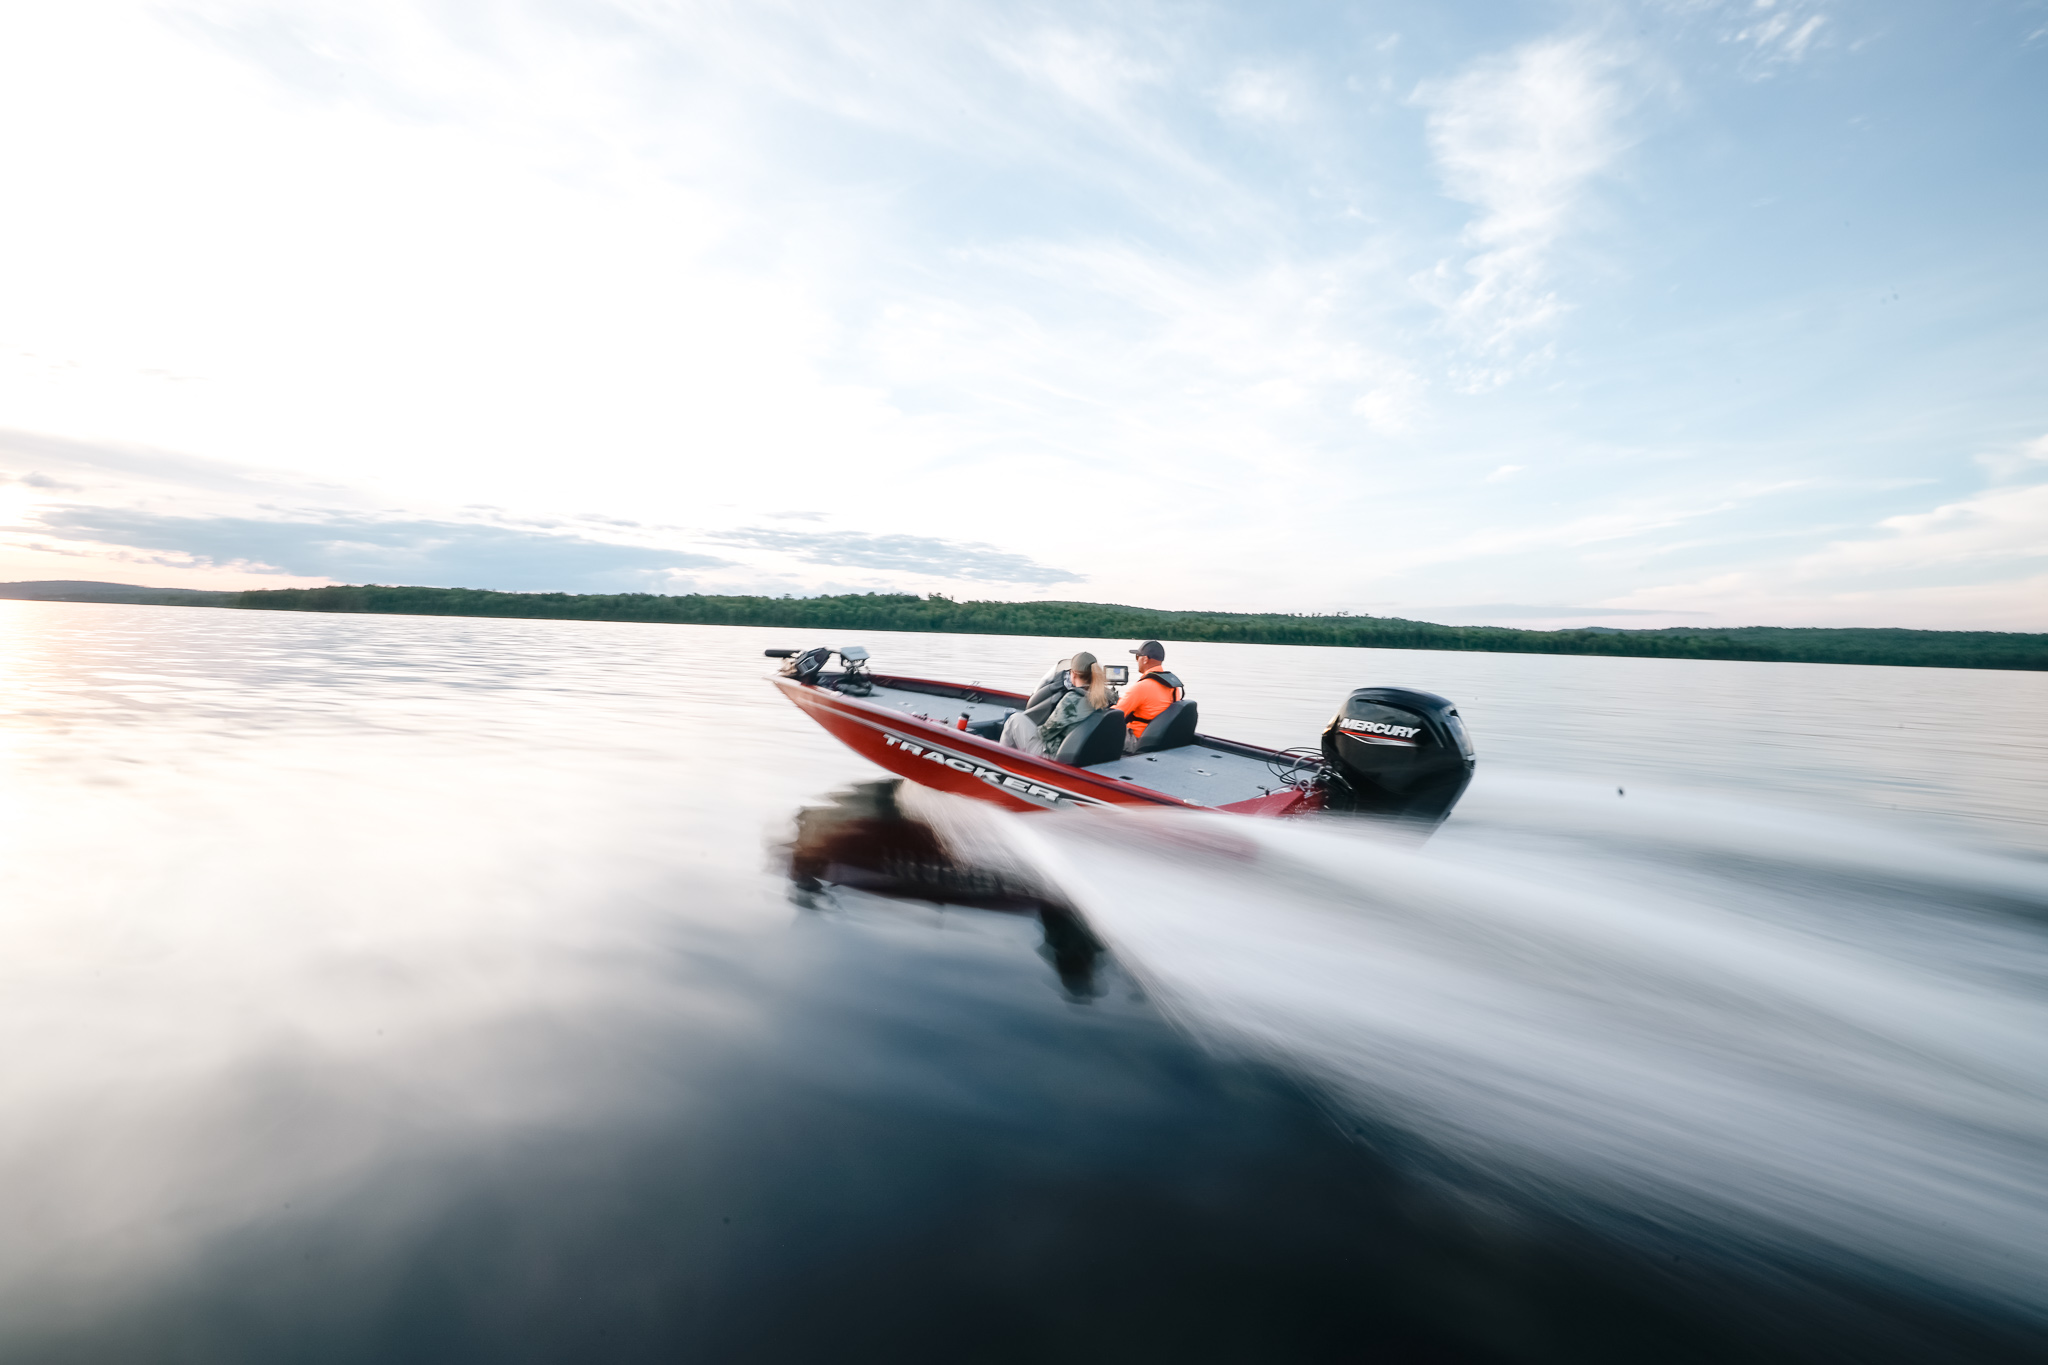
{"points": [[1098, 739], [1170, 729]]}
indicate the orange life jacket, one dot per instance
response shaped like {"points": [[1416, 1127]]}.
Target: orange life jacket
{"points": [[1144, 707]]}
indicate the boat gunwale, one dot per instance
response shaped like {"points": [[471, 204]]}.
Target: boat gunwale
{"points": [[823, 697]]}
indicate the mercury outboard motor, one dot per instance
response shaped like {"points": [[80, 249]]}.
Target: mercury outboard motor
{"points": [[1398, 752]]}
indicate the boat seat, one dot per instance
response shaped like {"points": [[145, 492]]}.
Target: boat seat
{"points": [[1098, 739], [1170, 729]]}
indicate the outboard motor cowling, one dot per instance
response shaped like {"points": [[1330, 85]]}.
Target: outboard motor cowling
{"points": [[1397, 752]]}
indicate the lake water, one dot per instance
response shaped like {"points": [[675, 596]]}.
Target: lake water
{"points": [[385, 988]]}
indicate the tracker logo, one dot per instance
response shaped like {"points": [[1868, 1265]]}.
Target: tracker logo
{"points": [[1377, 732], [995, 777]]}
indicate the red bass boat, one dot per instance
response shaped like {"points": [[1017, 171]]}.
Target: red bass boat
{"points": [[1389, 751]]}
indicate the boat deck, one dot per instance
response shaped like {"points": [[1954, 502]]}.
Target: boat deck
{"points": [[940, 710], [1197, 773], [1206, 773]]}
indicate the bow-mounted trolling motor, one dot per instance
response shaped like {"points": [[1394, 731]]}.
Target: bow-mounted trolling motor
{"points": [[1394, 751], [808, 666]]}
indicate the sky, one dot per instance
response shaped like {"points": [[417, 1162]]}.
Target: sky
{"points": [[1682, 312]]}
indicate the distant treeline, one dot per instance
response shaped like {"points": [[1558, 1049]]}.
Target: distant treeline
{"points": [[1096, 620]]}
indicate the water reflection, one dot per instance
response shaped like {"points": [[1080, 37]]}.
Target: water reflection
{"points": [[1721, 1128], [865, 840], [388, 989]]}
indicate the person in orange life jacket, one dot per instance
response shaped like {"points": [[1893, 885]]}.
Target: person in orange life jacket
{"points": [[1153, 692]]}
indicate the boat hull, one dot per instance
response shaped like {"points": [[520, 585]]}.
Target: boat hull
{"points": [[937, 755]]}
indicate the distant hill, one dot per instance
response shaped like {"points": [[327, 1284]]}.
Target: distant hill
{"points": [[808, 620], [79, 590], [1096, 620]]}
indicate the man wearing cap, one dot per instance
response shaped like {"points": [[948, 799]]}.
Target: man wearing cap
{"points": [[1153, 692]]}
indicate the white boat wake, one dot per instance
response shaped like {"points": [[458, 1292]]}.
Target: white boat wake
{"points": [[1786, 1038]]}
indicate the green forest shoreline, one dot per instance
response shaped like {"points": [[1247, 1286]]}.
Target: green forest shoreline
{"points": [[1096, 620]]}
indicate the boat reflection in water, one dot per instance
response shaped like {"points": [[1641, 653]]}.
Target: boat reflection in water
{"points": [[864, 839]]}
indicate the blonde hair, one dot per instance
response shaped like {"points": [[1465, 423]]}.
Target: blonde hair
{"points": [[1098, 684]]}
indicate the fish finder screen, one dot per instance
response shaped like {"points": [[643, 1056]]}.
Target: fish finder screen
{"points": [[1119, 674]]}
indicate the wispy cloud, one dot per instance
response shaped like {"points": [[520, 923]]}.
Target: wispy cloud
{"points": [[41, 482], [1778, 31], [1971, 563], [1218, 365], [2002, 524], [32, 454], [902, 554], [1521, 137], [1604, 527], [1765, 598], [1527, 611], [1263, 95], [2016, 461], [1092, 69], [357, 548]]}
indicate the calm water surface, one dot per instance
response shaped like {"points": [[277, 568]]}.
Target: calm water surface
{"points": [[389, 988]]}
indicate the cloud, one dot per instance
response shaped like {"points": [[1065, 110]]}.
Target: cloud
{"points": [[40, 481], [129, 462], [1766, 598], [1263, 96], [329, 55], [1089, 69], [1524, 611], [1504, 473], [2007, 524], [1519, 137], [2015, 462], [902, 554], [1961, 565], [1210, 363], [1779, 31], [356, 548], [1623, 523]]}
